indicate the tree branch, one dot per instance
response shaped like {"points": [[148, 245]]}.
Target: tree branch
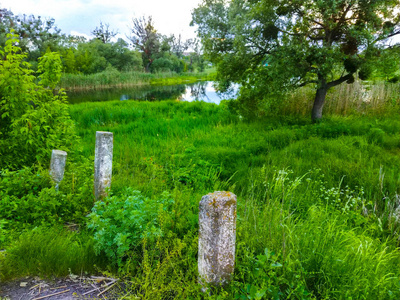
{"points": [[339, 81]]}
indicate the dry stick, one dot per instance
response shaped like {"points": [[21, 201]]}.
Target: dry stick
{"points": [[51, 295], [107, 289], [91, 291], [34, 286], [114, 280], [100, 278], [60, 287]]}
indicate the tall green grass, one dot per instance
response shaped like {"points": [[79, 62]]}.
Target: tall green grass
{"points": [[189, 137], [50, 251], [316, 202], [113, 78], [346, 99]]}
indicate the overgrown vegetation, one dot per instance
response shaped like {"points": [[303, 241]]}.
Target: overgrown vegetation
{"points": [[318, 204]]}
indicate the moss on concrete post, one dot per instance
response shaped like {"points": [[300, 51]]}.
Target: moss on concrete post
{"points": [[103, 163], [57, 165], [217, 237]]}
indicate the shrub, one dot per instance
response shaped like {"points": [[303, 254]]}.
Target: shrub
{"points": [[34, 119], [120, 222], [28, 197]]}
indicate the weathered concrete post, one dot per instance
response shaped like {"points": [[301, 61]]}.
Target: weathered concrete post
{"points": [[103, 163], [217, 237], [57, 165]]}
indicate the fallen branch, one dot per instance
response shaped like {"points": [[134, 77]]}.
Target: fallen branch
{"points": [[35, 286], [91, 291], [51, 295], [60, 287], [107, 288]]}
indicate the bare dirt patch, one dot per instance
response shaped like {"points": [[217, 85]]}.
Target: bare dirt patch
{"points": [[72, 287]]}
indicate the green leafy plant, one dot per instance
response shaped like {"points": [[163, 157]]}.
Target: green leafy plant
{"points": [[28, 197], [120, 222], [33, 117], [265, 279]]}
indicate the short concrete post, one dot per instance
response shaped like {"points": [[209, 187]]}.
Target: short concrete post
{"points": [[217, 237], [103, 163], [57, 165]]}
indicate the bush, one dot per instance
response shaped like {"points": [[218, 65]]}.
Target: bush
{"points": [[28, 197], [34, 119], [121, 222]]}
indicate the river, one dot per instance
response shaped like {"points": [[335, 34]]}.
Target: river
{"points": [[199, 91]]}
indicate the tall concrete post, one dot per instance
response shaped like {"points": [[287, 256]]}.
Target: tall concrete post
{"points": [[57, 166], [217, 237], [103, 163]]}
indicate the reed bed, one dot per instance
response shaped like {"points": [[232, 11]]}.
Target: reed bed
{"points": [[113, 78], [359, 97]]}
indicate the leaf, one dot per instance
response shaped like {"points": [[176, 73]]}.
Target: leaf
{"points": [[276, 265]]}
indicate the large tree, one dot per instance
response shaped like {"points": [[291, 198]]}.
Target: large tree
{"points": [[271, 46], [145, 38], [36, 34]]}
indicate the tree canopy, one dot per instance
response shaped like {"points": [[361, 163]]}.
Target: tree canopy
{"points": [[273, 46], [103, 33], [145, 38]]}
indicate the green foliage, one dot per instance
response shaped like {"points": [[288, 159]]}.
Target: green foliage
{"points": [[273, 47], [28, 197], [34, 120], [95, 56], [326, 252], [121, 222], [320, 197], [265, 279], [36, 35], [50, 67]]}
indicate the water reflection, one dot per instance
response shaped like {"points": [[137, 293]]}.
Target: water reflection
{"points": [[202, 91]]}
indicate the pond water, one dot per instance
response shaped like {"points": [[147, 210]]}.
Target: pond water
{"points": [[199, 91]]}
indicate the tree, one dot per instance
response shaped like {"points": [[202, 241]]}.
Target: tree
{"points": [[103, 33], [178, 46], [36, 35], [145, 39], [270, 46]]}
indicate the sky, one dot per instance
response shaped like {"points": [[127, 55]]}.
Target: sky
{"points": [[80, 17]]}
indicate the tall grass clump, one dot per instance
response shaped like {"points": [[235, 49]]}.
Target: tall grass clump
{"points": [[50, 251], [311, 253]]}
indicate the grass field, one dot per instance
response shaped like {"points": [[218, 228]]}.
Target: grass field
{"points": [[317, 203]]}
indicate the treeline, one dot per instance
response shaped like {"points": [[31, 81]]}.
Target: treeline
{"points": [[151, 51]]}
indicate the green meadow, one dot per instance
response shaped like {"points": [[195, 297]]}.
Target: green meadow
{"points": [[317, 203]]}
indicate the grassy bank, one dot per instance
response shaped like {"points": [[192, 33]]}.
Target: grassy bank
{"points": [[316, 202], [113, 78], [312, 195]]}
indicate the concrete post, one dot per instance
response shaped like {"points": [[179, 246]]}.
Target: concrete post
{"points": [[103, 163], [57, 165], [217, 237]]}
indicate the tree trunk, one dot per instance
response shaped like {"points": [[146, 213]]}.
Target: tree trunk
{"points": [[319, 101]]}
